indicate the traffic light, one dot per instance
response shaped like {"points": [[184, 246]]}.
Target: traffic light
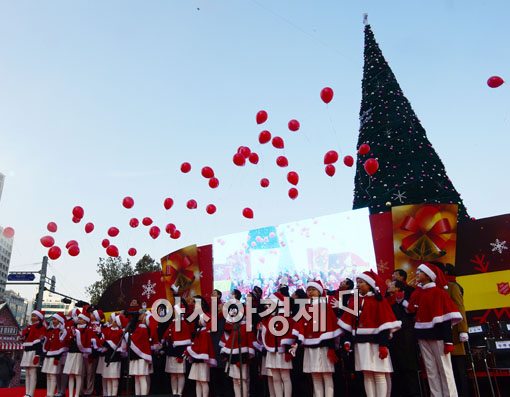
{"points": [[52, 284], [67, 301]]}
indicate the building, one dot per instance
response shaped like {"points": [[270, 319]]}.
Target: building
{"points": [[52, 304], [5, 259], [17, 304], [9, 341]]}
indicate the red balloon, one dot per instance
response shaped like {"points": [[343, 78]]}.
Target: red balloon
{"points": [[293, 177], [327, 94], [112, 250], [89, 227], [294, 125], [191, 204], [70, 243], [54, 253], [264, 182], [239, 159], [133, 222], [185, 167], [73, 250], [128, 202], [113, 231], [331, 157], [254, 158], [282, 161], [154, 232], [78, 212], [176, 234], [210, 209], [261, 117], [214, 183], [244, 151], [47, 241], [207, 172], [76, 220], [168, 203], [278, 142], [52, 227], [105, 243], [293, 193], [264, 137], [248, 213], [146, 221], [330, 170], [132, 251], [364, 149], [371, 166], [8, 232], [348, 161], [170, 228], [495, 81]]}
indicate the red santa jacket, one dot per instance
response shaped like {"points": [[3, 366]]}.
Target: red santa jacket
{"points": [[435, 312], [82, 337], [56, 342], [268, 338], [323, 319], [375, 321], [175, 337], [139, 342], [202, 347], [33, 336], [236, 339]]}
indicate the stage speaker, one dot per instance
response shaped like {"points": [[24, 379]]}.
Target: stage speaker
{"points": [[504, 329], [478, 335], [500, 348]]}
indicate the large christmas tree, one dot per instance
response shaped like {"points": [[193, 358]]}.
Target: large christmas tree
{"points": [[410, 171]]}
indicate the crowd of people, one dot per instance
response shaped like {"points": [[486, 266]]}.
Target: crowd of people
{"points": [[370, 343]]}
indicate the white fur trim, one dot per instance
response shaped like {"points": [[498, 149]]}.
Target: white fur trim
{"points": [[185, 342], [345, 326], [83, 349], [38, 314], [392, 326], [322, 337], [369, 280], [139, 353], [455, 317], [59, 318], [84, 317], [428, 271]]}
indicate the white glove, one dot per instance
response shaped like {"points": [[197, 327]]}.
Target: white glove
{"points": [[293, 350], [463, 336]]}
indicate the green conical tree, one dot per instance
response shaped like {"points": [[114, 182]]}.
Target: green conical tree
{"points": [[410, 171]]}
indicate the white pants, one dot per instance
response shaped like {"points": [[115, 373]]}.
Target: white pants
{"points": [[439, 368]]}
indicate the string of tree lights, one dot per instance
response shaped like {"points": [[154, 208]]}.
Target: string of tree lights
{"points": [[410, 171]]}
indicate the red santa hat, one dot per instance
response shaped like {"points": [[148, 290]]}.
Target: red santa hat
{"points": [[60, 317], [376, 282], [317, 284], [435, 274], [73, 313], [121, 320], [84, 316], [98, 315], [39, 314]]}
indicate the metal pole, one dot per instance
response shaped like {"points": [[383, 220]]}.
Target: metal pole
{"points": [[42, 281]]}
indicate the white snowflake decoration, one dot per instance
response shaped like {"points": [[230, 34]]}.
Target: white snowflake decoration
{"points": [[149, 289], [499, 246], [399, 196]]}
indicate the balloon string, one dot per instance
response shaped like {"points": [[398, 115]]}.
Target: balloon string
{"points": [[335, 133]]}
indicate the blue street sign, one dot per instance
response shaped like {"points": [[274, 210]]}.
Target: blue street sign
{"points": [[21, 277]]}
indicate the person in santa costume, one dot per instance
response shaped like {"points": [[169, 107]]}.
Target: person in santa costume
{"points": [[114, 351], [237, 348], [97, 325], [318, 330], [55, 346], [370, 331], [79, 351], [201, 354], [71, 320], [33, 338], [277, 338], [140, 355], [176, 338], [435, 315]]}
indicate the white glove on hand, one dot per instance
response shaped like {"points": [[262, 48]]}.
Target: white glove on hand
{"points": [[463, 336]]}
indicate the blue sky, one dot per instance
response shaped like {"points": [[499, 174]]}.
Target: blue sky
{"points": [[99, 100]]}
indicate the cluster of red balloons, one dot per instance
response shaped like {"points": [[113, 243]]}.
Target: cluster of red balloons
{"points": [[244, 153], [78, 214], [370, 165]]}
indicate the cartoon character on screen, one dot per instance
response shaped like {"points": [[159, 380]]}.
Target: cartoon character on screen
{"points": [[318, 332], [33, 337], [369, 331]]}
